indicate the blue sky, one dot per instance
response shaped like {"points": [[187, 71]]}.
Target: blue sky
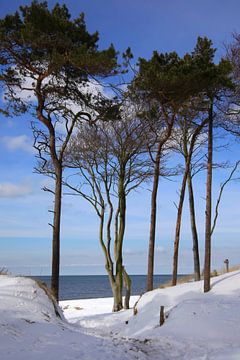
{"points": [[25, 236]]}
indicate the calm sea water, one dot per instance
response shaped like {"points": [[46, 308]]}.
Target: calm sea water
{"points": [[97, 286]]}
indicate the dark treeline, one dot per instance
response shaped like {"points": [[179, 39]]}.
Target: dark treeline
{"points": [[101, 140]]}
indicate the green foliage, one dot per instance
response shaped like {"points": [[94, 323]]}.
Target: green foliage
{"points": [[209, 77], [169, 79], [162, 77], [40, 43]]}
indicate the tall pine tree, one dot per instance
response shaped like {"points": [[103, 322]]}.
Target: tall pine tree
{"points": [[52, 57]]}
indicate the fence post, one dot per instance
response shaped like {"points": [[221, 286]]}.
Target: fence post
{"points": [[226, 262], [162, 319]]}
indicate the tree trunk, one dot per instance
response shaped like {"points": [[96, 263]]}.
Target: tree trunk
{"points": [[56, 232], [196, 259], [208, 212], [188, 157], [118, 305], [117, 295], [127, 284], [107, 255], [178, 226], [153, 221]]}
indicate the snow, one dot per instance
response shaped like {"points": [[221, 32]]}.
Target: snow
{"points": [[198, 326]]}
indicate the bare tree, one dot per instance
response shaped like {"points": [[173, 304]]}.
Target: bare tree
{"points": [[46, 55], [111, 158], [222, 187]]}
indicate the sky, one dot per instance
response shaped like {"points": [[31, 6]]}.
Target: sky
{"points": [[25, 236]]}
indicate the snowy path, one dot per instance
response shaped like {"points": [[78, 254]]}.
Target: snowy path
{"points": [[198, 327]]}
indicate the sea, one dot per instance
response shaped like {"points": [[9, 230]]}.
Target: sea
{"points": [[97, 286]]}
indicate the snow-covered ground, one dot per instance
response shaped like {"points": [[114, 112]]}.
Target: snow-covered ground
{"points": [[197, 327]]}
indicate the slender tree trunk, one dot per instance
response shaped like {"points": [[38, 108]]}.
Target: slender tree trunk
{"points": [[208, 212], [153, 220], [196, 259], [56, 232], [127, 284], [178, 226], [188, 157], [152, 234], [119, 242], [107, 255], [57, 163]]}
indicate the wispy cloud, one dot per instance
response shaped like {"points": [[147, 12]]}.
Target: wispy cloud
{"points": [[161, 249], [21, 142], [133, 252], [9, 190]]}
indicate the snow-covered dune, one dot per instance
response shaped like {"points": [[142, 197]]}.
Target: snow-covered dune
{"points": [[198, 326], [31, 330]]}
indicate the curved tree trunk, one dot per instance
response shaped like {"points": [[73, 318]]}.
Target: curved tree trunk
{"points": [[152, 234], [208, 212], [106, 252], [196, 259], [178, 226]]}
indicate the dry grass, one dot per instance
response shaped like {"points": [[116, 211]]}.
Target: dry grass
{"points": [[183, 279], [4, 271], [43, 286], [232, 268], [190, 278], [49, 294]]}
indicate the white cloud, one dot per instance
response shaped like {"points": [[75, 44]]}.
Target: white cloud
{"points": [[161, 249], [21, 142], [9, 190]]}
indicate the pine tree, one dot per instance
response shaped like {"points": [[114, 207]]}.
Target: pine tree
{"points": [[45, 52], [164, 84], [214, 80]]}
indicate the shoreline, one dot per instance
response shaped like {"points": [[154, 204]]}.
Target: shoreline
{"points": [[90, 307]]}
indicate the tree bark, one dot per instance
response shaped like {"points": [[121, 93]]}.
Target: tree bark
{"points": [[152, 234], [178, 226], [58, 188], [127, 284], [117, 295], [188, 157], [208, 212], [56, 233], [196, 259], [107, 256], [118, 305]]}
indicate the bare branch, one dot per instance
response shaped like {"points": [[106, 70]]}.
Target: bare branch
{"points": [[220, 194]]}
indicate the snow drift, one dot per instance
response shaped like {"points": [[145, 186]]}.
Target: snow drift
{"points": [[198, 326], [31, 330]]}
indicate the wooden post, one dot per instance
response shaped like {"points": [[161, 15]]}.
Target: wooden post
{"points": [[226, 262], [162, 319]]}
